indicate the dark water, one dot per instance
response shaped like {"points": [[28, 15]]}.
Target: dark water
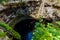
{"points": [[25, 28]]}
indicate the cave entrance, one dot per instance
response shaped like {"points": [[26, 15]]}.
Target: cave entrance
{"points": [[24, 27]]}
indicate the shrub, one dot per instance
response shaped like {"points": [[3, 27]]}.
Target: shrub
{"points": [[51, 32]]}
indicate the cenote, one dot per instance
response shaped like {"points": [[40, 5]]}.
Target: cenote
{"points": [[25, 28]]}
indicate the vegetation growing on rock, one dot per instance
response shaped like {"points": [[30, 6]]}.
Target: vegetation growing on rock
{"points": [[46, 32], [46, 9], [10, 30]]}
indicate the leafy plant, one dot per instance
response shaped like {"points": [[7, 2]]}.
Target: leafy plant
{"points": [[58, 23], [2, 34], [51, 32], [10, 30], [1, 1]]}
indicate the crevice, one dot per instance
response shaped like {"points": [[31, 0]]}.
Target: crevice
{"points": [[24, 27]]}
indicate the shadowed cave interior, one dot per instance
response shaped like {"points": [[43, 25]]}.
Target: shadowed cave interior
{"points": [[24, 27]]}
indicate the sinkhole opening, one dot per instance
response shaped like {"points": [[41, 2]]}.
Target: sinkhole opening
{"points": [[25, 26]]}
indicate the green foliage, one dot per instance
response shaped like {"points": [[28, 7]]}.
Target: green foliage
{"points": [[46, 32], [1, 1], [58, 23], [10, 30], [2, 34]]}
